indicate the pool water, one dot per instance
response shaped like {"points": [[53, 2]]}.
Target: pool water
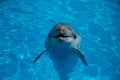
{"points": [[24, 25]]}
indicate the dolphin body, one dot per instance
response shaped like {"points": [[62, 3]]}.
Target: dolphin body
{"points": [[62, 44]]}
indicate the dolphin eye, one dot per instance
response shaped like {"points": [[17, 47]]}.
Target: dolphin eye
{"points": [[74, 36]]}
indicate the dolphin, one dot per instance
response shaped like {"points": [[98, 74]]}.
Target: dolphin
{"points": [[63, 46]]}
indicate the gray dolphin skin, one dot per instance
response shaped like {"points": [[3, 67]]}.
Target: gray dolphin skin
{"points": [[62, 44]]}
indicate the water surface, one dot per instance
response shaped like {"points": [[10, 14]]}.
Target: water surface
{"points": [[24, 25]]}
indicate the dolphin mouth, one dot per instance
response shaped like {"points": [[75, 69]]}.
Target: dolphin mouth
{"points": [[61, 36]]}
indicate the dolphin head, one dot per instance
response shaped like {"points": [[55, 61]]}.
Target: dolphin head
{"points": [[62, 34]]}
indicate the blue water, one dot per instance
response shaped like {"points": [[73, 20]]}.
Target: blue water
{"points": [[24, 25]]}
